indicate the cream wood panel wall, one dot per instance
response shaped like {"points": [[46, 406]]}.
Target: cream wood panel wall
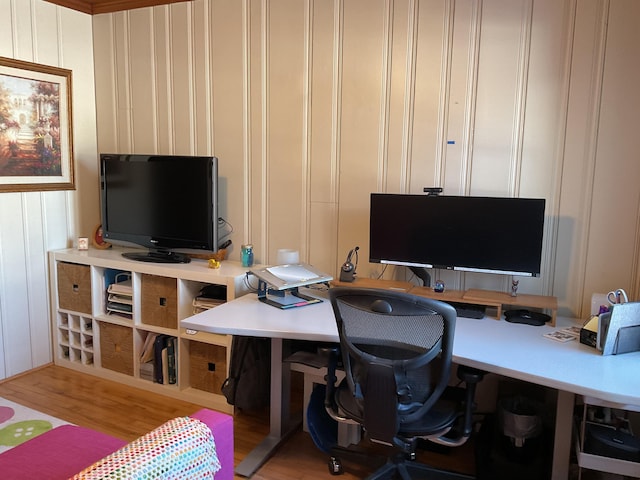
{"points": [[613, 238], [32, 223], [312, 105]]}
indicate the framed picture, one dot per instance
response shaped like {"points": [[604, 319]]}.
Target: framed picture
{"points": [[36, 147]]}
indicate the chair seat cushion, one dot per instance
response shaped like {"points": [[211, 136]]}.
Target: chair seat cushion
{"points": [[441, 416]]}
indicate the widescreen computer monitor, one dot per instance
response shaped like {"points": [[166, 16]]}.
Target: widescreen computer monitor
{"points": [[464, 233]]}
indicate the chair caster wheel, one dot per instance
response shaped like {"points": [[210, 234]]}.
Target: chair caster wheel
{"points": [[335, 466]]}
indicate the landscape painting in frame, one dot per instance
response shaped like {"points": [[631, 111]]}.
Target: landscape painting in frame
{"points": [[36, 150]]}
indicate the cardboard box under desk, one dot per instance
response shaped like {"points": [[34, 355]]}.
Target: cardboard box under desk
{"points": [[116, 348], [207, 366], [159, 301], [74, 287]]}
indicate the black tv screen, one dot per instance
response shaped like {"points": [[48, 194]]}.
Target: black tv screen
{"points": [[162, 202], [481, 234]]}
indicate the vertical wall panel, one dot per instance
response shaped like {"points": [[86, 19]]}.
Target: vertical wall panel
{"points": [[121, 57], [15, 288], [22, 30], [45, 20], [286, 156], [35, 267], [32, 223], [202, 83], [182, 60], [612, 236], [457, 140], [430, 73], [107, 114], [6, 32], [257, 172], [587, 60], [141, 59], [545, 118], [499, 82], [363, 115], [76, 54], [399, 95], [325, 90], [163, 79], [226, 29]]}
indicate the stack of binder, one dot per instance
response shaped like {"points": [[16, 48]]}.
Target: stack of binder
{"points": [[210, 296], [200, 304]]}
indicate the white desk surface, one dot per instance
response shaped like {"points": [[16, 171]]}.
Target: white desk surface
{"points": [[512, 350]]}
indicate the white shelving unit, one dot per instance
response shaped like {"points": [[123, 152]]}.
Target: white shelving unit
{"points": [[90, 337]]}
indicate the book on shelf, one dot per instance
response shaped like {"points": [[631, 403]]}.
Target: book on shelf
{"points": [[146, 371], [147, 352], [165, 366], [171, 360], [164, 359], [158, 346]]}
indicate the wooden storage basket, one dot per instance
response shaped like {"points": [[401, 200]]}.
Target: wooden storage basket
{"points": [[207, 366], [116, 348], [74, 287], [159, 301]]}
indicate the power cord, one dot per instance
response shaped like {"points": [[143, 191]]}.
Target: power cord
{"points": [[222, 223], [384, 269], [247, 283]]}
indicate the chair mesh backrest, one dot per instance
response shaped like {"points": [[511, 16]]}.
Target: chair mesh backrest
{"points": [[415, 331], [408, 338]]}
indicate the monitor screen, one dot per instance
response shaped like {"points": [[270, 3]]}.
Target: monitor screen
{"points": [[162, 202], [478, 234]]}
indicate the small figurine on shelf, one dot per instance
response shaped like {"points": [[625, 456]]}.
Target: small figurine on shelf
{"points": [[97, 240], [514, 287]]}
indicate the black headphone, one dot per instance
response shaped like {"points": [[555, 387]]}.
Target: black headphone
{"points": [[348, 270]]}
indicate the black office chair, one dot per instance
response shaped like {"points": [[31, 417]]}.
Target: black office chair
{"points": [[396, 352]]}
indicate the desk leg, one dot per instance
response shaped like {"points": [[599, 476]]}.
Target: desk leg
{"points": [[562, 437], [280, 423]]}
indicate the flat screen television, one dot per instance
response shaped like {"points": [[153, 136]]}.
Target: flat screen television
{"points": [[475, 234], [165, 203]]}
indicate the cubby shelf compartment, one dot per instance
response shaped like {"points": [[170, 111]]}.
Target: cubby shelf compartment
{"points": [[91, 337], [75, 337], [599, 462]]}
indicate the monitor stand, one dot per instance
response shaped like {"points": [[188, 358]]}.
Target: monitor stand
{"points": [[422, 274], [158, 256]]}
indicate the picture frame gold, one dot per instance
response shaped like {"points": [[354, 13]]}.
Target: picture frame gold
{"points": [[36, 128]]}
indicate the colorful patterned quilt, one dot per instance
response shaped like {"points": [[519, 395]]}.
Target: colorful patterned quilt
{"points": [[181, 449]]}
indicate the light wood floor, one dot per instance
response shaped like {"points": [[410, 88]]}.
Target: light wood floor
{"points": [[128, 413]]}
